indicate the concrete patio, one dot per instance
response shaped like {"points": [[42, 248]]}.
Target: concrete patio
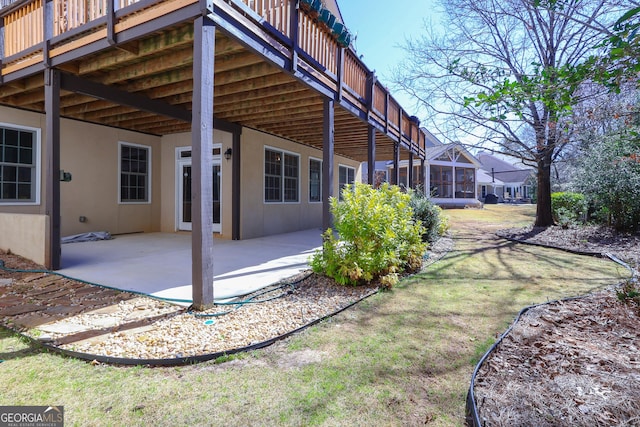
{"points": [[159, 264]]}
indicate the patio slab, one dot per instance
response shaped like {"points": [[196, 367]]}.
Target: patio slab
{"points": [[159, 264]]}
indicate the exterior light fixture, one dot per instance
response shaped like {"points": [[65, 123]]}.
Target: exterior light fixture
{"points": [[227, 154]]}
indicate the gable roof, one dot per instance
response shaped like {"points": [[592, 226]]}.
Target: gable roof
{"points": [[431, 153], [430, 139], [506, 171]]}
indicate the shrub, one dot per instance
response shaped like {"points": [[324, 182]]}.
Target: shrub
{"points": [[377, 237], [429, 214], [609, 175], [568, 208]]}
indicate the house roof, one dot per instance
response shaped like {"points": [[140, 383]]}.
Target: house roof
{"points": [[432, 153], [430, 139], [506, 171], [484, 177]]}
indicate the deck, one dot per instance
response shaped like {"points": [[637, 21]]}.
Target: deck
{"points": [[275, 63]]}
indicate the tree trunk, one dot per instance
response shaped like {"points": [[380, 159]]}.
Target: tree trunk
{"points": [[544, 217]]}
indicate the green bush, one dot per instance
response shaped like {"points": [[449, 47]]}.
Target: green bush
{"points": [[377, 237], [609, 175], [568, 208], [429, 214]]}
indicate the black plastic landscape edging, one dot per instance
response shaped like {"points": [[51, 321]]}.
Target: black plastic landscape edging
{"points": [[542, 245], [188, 360], [471, 410]]}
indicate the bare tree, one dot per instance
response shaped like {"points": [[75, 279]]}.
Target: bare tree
{"points": [[508, 73]]}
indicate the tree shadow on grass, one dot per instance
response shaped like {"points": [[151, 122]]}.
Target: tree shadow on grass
{"points": [[20, 348]]}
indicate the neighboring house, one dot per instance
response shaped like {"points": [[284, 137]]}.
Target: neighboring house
{"points": [[452, 176], [233, 117], [448, 173], [488, 184], [380, 173], [509, 181]]}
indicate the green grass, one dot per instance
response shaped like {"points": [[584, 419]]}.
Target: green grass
{"points": [[403, 357]]}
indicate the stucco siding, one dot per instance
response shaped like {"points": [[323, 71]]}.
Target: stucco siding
{"points": [[91, 154], [260, 218], [25, 235]]}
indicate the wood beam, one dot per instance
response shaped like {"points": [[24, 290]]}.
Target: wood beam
{"points": [[52, 174], [284, 116], [236, 185], [87, 87], [268, 105], [202, 164], [410, 171], [327, 162], [180, 36], [280, 90], [371, 154], [159, 64]]}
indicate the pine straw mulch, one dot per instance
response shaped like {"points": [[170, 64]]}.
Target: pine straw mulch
{"points": [[568, 363]]}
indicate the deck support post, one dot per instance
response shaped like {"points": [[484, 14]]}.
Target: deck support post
{"points": [[1, 48], [235, 185], [52, 178], [294, 28], [327, 162], [396, 164], [410, 171], [371, 155], [202, 163], [423, 178]]}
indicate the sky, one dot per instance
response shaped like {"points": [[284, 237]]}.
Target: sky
{"points": [[382, 27]]}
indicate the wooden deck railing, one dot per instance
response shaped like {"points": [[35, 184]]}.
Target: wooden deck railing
{"points": [[24, 33], [23, 28], [317, 43], [70, 14], [276, 12], [355, 75]]}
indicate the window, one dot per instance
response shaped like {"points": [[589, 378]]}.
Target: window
{"points": [[135, 171], [315, 180], [346, 175], [403, 177], [19, 165], [281, 176], [465, 183], [442, 181]]}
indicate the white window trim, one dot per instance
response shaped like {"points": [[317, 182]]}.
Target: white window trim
{"points": [[283, 151], [38, 164], [354, 178], [150, 163], [309, 178]]}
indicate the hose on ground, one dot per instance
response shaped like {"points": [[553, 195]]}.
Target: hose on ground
{"points": [[237, 303]]}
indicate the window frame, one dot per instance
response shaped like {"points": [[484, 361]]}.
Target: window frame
{"points": [[340, 184], [148, 200], [436, 180], [319, 161], [282, 176], [36, 165], [466, 186]]}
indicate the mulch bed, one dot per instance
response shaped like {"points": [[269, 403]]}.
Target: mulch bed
{"points": [[568, 363], [89, 319], [83, 318]]}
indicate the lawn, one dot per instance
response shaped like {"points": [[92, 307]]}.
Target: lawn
{"points": [[403, 357]]}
